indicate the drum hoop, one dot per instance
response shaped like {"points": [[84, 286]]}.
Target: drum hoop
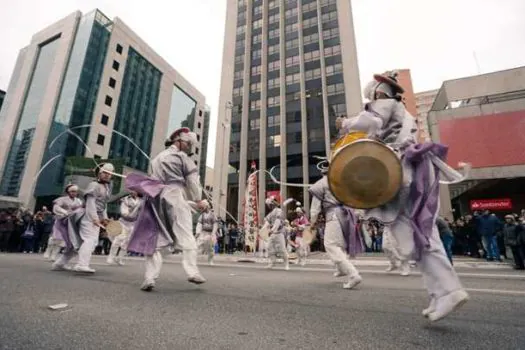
{"points": [[381, 144], [114, 228]]}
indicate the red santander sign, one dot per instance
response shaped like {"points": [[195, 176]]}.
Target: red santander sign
{"points": [[491, 204]]}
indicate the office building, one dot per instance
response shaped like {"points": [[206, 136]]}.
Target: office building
{"points": [[87, 69], [289, 69], [482, 120], [424, 102]]}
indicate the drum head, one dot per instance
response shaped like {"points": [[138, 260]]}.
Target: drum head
{"points": [[114, 228], [365, 174], [264, 233], [309, 235]]}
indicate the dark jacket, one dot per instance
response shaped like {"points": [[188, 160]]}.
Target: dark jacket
{"points": [[514, 234], [488, 225], [443, 227]]}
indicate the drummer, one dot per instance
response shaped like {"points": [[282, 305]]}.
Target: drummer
{"points": [[129, 211]]}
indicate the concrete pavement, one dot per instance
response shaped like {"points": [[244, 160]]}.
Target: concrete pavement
{"points": [[244, 306]]}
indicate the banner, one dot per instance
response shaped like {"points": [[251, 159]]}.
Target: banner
{"points": [[250, 219], [491, 204]]}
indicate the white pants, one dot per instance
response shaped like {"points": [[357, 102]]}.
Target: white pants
{"points": [[89, 233], [277, 246], [183, 230], [53, 248], [439, 276], [301, 249], [390, 248], [206, 243], [334, 244], [121, 241]]}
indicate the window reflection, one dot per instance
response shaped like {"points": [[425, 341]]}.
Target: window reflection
{"points": [[182, 110]]}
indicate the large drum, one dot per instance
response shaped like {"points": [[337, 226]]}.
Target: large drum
{"points": [[113, 229], [364, 173]]}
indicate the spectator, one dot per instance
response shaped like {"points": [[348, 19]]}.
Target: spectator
{"points": [[47, 227], [7, 227], [234, 235], [445, 233], [514, 236], [488, 226]]}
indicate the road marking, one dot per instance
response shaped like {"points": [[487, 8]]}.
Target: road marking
{"points": [[496, 291]]}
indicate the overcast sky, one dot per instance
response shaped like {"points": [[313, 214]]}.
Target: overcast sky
{"points": [[435, 39]]}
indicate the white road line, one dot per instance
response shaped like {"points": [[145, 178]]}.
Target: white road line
{"points": [[496, 291]]}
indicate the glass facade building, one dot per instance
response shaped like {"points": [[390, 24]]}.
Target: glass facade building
{"points": [[80, 85]]}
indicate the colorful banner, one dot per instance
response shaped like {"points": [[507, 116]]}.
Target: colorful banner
{"points": [[491, 204], [250, 220]]}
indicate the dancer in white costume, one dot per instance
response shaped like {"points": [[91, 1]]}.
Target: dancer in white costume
{"points": [[299, 224], [206, 231], [391, 250], [339, 220], [129, 211], [84, 226], [165, 220], [276, 243], [411, 215], [63, 207]]}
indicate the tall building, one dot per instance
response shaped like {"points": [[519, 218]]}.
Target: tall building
{"points": [[96, 76], [289, 69], [424, 102], [409, 99]]}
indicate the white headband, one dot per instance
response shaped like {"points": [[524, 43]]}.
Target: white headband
{"points": [[107, 167], [72, 188]]}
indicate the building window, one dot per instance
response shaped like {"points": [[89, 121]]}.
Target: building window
{"points": [[241, 29], [255, 87], [335, 69], [335, 89], [294, 96], [292, 61], [330, 16], [256, 54], [101, 139], [312, 74], [337, 109], [257, 39], [290, 44], [273, 83], [108, 101], [275, 65], [273, 4], [119, 48], [238, 75], [104, 120], [274, 120], [112, 82], [332, 51], [291, 13], [273, 18], [257, 10], [291, 28], [239, 44], [274, 101], [330, 33], [255, 124], [255, 105], [273, 49], [274, 141], [311, 56], [274, 33], [328, 2], [198, 137], [196, 151], [116, 65], [256, 70], [239, 59], [293, 78], [312, 38], [237, 92], [310, 22], [310, 6], [257, 24]]}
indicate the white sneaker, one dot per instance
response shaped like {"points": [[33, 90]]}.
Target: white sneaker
{"points": [[391, 268], [84, 269], [431, 308], [111, 261], [286, 267], [269, 266], [448, 303], [58, 267], [211, 263], [147, 285], [303, 263], [405, 269], [197, 279], [352, 282], [120, 261]]}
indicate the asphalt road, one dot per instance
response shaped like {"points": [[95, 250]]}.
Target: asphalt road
{"points": [[247, 307]]}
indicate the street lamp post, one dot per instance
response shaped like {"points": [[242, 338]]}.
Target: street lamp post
{"points": [[225, 123]]}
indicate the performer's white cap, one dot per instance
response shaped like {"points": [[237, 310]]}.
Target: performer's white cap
{"points": [[107, 167], [299, 210], [185, 135], [71, 187]]}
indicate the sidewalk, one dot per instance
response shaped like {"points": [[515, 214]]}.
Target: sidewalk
{"points": [[320, 258]]}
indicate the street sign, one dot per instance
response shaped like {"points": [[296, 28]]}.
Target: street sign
{"points": [[491, 204]]}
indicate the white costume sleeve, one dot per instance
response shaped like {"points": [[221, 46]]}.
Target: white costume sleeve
{"points": [[194, 188], [124, 210], [276, 225], [198, 229], [215, 228], [315, 209], [91, 208], [58, 210]]}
